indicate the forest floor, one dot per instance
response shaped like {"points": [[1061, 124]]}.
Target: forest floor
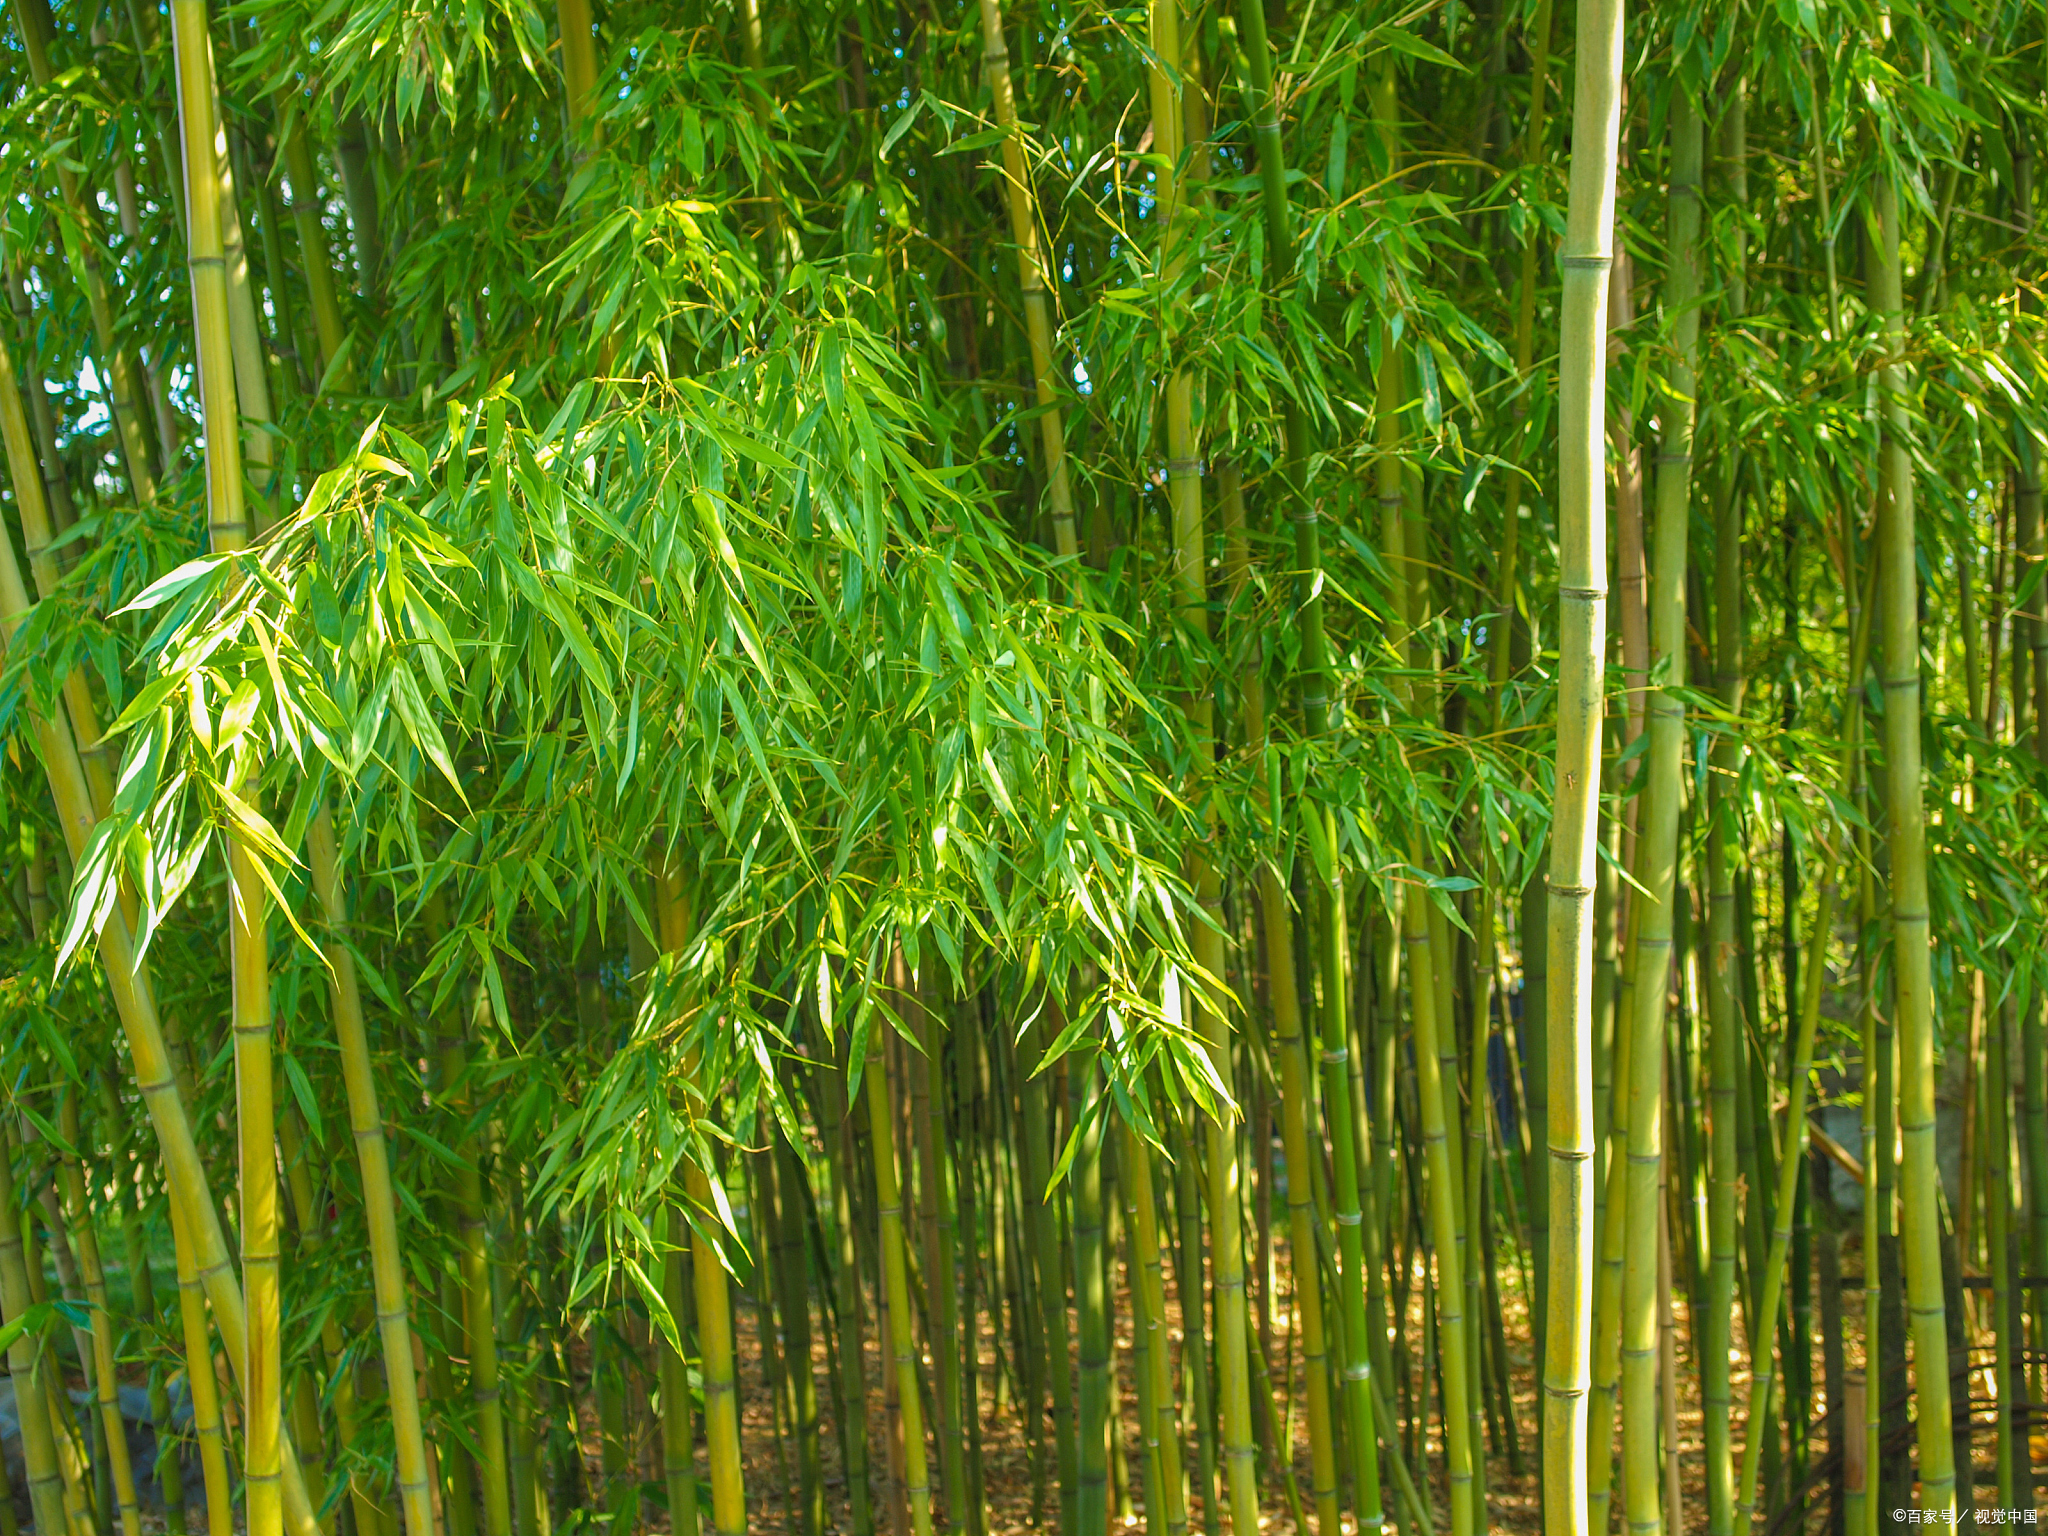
{"points": [[1512, 1500]]}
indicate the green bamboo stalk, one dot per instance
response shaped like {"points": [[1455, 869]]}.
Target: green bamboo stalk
{"points": [[896, 1283], [380, 1212], [1171, 66], [1898, 584], [82, 248], [2000, 1247], [1091, 1306], [1051, 1287], [27, 1365], [842, 1169], [1582, 564], [1022, 205], [793, 1300], [679, 1468], [1198, 1419], [1301, 1215], [85, 1244], [1147, 1242], [1724, 1026], [1657, 845], [1612, 1247], [721, 1386], [478, 1318], [228, 525], [169, 1475], [936, 1211]]}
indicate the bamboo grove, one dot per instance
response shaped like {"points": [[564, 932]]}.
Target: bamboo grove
{"points": [[1231, 764]]}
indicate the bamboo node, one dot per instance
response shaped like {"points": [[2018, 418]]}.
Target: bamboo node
{"points": [[1585, 263]]}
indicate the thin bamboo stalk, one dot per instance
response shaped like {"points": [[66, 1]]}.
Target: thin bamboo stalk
{"points": [[380, 1212], [1898, 583], [1051, 1286], [82, 249], [1022, 205], [1657, 847], [896, 1282], [85, 1244], [1091, 1306], [843, 1169], [27, 1365], [679, 1467]]}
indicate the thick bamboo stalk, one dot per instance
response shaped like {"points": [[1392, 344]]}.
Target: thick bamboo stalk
{"points": [[721, 1383], [1898, 585], [1582, 600], [249, 916]]}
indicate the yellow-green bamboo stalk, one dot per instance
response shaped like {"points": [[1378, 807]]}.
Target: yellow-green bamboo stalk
{"points": [[1148, 1242], [314, 257], [478, 1319], [142, 1280], [27, 1365], [1301, 1214], [1277, 916], [579, 58], [306, 1207], [678, 1453], [1612, 1246], [1167, 75], [245, 335], [896, 1281], [128, 985], [1525, 357], [721, 1386], [81, 243], [1023, 210], [714, 1304], [1791, 1163], [249, 916], [106, 1385], [128, 205], [1898, 598], [1657, 842], [201, 1382], [1582, 630], [366, 1123]]}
